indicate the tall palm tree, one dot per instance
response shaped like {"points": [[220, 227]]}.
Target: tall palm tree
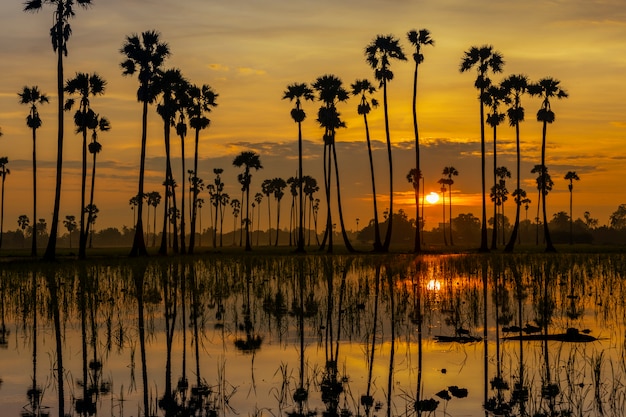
{"points": [[413, 177], [493, 97], [60, 34], [258, 197], [95, 147], [485, 59], [418, 39], [249, 160], [298, 92], [450, 172], [544, 186], [70, 225], [443, 182], [145, 55], [202, 100], [365, 88], [172, 87], [378, 55], [153, 198], [547, 88], [499, 195], [330, 92], [571, 176], [277, 185], [32, 97], [235, 204], [83, 85], [4, 171], [515, 86], [293, 183], [181, 131]]}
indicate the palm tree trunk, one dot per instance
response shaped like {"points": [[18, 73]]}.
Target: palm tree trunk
{"points": [[546, 231], [4, 175], [416, 243], [483, 230], [443, 224], [300, 193], [277, 221], [50, 253], [139, 245], [494, 234], [194, 203], [346, 241], [511, 244], [182, 198], [91, 195], [450, 205], [248, 245], [377, 242], [82, 241], [33, 249], [387, 241], [571, 224]]}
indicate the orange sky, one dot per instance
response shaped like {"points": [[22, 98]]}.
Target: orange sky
{"points": [[249, 51]]}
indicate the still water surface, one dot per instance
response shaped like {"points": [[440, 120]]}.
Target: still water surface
{"points": [[316, 335]]}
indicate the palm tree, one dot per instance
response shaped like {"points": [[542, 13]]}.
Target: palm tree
{"points": [[293, 184], [297, 92], [202, 100], [4, 171], [450, 172], [544, 186], [144, 55], [249, 160], [485, 59], [277, 186], [571, 176], [60, 34], [499, 196], [23, 222], [173, 89], [258, 197], [310, 188], [493, 97], [418, 39], [443, 182], [216, 191], [32, 96], [236, 206], [153, 199], [267, 189], [70, 225], [515, 86], [546, 88], [84, 85], [95, 147], [365, 88], [378, 55], [330, 92], [413, 177]]}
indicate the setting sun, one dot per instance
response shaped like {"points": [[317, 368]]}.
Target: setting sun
{"points": [[432, 198]]}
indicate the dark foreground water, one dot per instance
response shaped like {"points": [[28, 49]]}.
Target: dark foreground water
{"points": [[316, 335]]}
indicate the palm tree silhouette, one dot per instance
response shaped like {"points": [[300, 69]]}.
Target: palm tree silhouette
{"points": [[144, 55], [173, 89], [277, 185], [544, 186], [515, 86], [546, 88], [249, 160], [153, 199], [84, 85], [443, 182], [365, 88], [571, 176], [70, 225], [4, 171], [235, 204], [485, 59], [450, 172], [378, 55], [32, 96], [95, 147], [330, 92], [60, 34], [493, 97], [310, 188], [297, 92], [418, 39], [202, 100], [499, 196]]}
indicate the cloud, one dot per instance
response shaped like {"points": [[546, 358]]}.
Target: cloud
{"points": [[250, 71], [219, 67]]}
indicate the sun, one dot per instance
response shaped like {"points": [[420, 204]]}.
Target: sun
{"points": [[432, 198]]}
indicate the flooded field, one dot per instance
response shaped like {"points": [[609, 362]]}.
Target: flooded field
{"points": [[458, 335]]}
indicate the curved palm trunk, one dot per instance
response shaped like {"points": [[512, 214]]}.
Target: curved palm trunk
{"points": [[494, 235], [377, 242], [346, 241], [248, 245], [139, 245], [546, 231], [83, 233], [387, 241], [169, 181], [300, 193], [194, 203], [483, 229], [91, 195], [269, 222], [182, 198], [33, 249], [328, 233], [50, 253], [511, 244], [417, 241], [450, 216]]}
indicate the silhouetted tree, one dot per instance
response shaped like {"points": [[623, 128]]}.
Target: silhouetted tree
{"points": [[144, 55], [70, 225], [571, 176], [249, 160], [450, 172], [32, 96], [4, 171], [418, 39], [546, 89], [485, 59], [378, 55], [59, 34]]}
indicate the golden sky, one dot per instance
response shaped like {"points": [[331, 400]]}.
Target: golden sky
{"points": [[249, 51]]}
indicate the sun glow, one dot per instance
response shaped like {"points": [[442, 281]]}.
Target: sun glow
{"points": [[433, 285], [432, 198]]}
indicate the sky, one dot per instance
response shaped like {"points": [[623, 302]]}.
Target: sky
{"points": [[248, 51]]}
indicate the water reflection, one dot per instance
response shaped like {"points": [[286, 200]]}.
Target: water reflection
{"points": [[525, 335]]}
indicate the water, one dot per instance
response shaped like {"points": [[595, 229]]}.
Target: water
{"points": [[316, 335]]}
